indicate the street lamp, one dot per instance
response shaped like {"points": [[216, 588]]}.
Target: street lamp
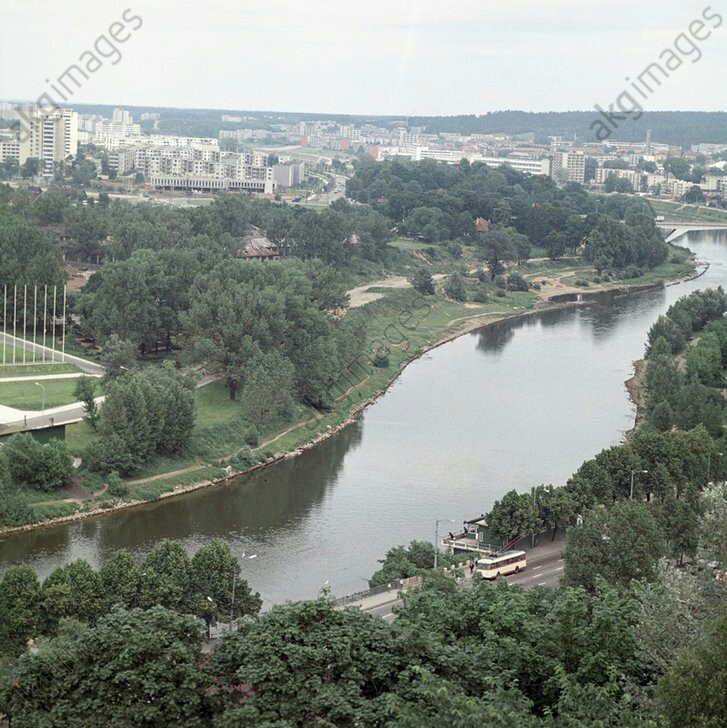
{"points": [[234, 584], [631, 492], [42, 386], [436, 536], [709, 462]]}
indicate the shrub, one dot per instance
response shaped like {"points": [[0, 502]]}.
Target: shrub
{"points": [[480, 296], [515, 282], [500, 281], [381, 361], [481, 275], [500, 293], [581, 282], [454, 287], [536, 286], [116, 486], [251, 436]]}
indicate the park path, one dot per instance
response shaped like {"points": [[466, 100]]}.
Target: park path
{"points": [[89, 367], [43, 377]]}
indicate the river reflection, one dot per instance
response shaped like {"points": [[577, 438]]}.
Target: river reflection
{"points": [[510, 406]]}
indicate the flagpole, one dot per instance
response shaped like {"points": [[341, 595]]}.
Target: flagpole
{"points": [[35, 319], [63, 325], [25, 318], [45, 318], [15, 316], [53, 337], [5, 320]]}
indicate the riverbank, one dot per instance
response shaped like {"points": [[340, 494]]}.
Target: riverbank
{"points": [[409, 328]]}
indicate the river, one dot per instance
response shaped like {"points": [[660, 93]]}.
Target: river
{"points": [[511, 406]]}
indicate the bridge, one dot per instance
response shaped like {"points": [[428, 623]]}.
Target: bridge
{"points": [[14, 420], [675, 230]]}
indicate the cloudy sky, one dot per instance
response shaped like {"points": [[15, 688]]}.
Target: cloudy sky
{"points": [[374, 57]]}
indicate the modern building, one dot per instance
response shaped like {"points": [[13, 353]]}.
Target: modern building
{"points": [[288, 174], [49, 135], [574, 163]]}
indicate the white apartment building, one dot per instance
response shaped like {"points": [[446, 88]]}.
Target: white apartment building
{"points": [[49, 135], [573, 162], [198, 165], [519, 164], [108, 133], [635, 177], [288, 174], [455, 156]]}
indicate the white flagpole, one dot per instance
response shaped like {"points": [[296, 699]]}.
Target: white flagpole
{"points": [[63, 334], [45, 318], [5, 320], [15, 316], [35, 319], [53, 336], [25, 318]]}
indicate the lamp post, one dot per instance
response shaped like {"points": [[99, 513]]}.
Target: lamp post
{"points": [[631, 492], [436, 536], [42, 386], [232, 600], [709, 463]]}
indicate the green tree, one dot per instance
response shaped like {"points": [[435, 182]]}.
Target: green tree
{"points": [[19, 608], [138, 668], [455, 287], [117, 356], [499, 245], [166, 577], [422, 282], [514, 515], [119, 577], [694, 692], [268, 392], [85, 390], [621, 544], [73, 590], [214, 578]]}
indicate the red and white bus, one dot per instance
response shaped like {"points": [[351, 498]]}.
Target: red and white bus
{"points": [[509, 562]]}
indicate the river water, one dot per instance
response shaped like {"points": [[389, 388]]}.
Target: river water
{"points": [[510, 406]]}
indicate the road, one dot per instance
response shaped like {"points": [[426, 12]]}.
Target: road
{"points": [[89, 367], [544, 569]]}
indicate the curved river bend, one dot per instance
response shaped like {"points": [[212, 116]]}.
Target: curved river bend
{"points": [[511, 406]]}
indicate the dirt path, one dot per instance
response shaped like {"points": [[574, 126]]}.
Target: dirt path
{"points": [[361, 295]]}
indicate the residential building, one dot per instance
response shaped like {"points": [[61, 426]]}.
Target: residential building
{"points": [[573, 162], [288, 174], [49, 135]]}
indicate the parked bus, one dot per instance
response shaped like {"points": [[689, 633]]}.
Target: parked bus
{"points": [[510, 562]]}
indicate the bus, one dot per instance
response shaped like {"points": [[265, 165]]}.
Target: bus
{"points": [[509, 562]]}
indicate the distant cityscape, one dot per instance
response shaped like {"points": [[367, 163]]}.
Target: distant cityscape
{"points": [[267, 158]]}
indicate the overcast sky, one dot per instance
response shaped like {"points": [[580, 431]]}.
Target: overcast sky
{"points": [[401, 57]]}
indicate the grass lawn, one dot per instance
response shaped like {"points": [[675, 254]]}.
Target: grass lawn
{"points": [[687, 212], [72, 345], [214, 405], [35, 370], [404, 244], [28, 395]]}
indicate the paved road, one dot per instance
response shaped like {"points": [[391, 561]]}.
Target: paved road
{"points": [[545, 568], [84, 365]]}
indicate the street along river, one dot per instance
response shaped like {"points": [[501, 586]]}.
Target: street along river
{"points": [[510, 406]]}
